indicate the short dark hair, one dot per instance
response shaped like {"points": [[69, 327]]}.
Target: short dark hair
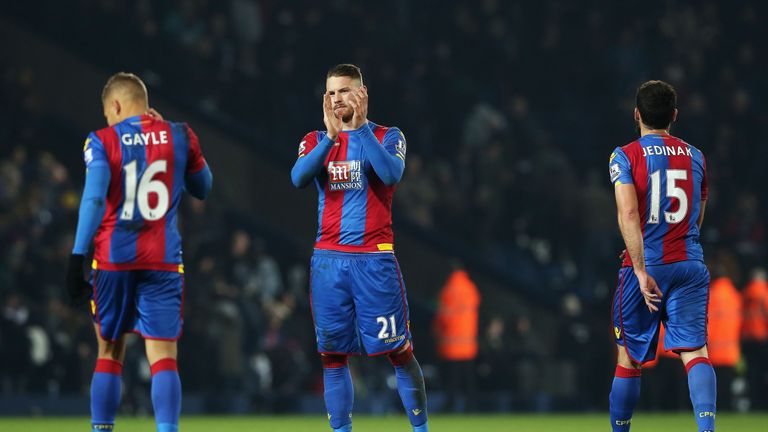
{"points": [[656, 101], [125, 82], [345, 70]]}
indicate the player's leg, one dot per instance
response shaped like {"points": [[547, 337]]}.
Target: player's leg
{"points": [[382, 317], [166, 384], [339, 394], [113, 314], [687, 333], [702, 384], [625, 391], [333, 313], [410, 386], [636, 331], [159, 299], [106, 384]]}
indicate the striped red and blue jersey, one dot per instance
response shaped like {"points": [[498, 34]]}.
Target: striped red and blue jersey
{"points": [[354, 206], [148, 160], [670, 179]]}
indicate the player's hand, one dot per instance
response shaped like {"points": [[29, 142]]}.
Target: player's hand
{"points": [[650, 290], [79, 290], [154, 113], [358, 100], [333, 124]]}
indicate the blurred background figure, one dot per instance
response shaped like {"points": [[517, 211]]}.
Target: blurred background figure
{"points": [[754, 338], [724, 329], [455, 329]]}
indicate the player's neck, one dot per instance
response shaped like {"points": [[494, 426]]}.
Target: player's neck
{"points": [[133, 112], [648, 131]]}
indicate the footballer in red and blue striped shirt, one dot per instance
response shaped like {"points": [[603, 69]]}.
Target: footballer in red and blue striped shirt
{"points": [[660, 183], [137, 170], [356, 287]]}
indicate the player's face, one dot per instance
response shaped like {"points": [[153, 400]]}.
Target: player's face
{"points": [[339, 89]]}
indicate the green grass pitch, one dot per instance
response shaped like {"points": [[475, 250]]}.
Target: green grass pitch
{"points": [[643, 422], [648, 422]]}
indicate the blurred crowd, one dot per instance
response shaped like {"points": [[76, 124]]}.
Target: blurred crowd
{"points": [[511, 110]]}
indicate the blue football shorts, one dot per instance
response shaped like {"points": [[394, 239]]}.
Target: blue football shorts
{"points": [[358, 296], [147, 302], [683, 310]]}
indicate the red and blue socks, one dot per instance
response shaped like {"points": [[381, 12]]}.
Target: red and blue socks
{"points": [[166, 394], [410, 385], [702, 384], [106, 387], [339, 393], [624, 395]]}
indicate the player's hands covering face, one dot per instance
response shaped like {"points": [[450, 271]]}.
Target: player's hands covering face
{"points": [[358, 100], [333, 124]]}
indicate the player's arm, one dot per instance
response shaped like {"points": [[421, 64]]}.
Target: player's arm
{"points": [[92, 208], [198, 178], [629, 223], [386, 160], [628, 214], [199, 184], [702, 207], [312, 155], [704, 191]]}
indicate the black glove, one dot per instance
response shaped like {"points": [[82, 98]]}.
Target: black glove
{"points": [[79, 290]]}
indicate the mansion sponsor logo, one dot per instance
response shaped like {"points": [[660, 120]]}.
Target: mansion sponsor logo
{"points": [[394, 339], [344, 175]]}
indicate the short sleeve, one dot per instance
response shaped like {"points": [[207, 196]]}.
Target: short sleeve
{"points": [[619, 168], [307, 143], [94, 153], [195, 159], [394, 142]]}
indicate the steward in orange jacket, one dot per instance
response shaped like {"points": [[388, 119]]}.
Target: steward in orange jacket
{"points": [[724, 327], [456, 320], [755, 299]]}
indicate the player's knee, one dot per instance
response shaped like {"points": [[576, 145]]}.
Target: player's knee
{"points": [[624, 360], [331, 361], [158, 350], [111, 350], [688, 356], [401, 357]]}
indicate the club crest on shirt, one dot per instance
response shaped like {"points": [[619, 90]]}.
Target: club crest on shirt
{"points": [[344, 175]]}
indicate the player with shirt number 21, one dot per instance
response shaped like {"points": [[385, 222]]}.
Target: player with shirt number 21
{"points": [[356, 287], [137, 171], [660, 183]]}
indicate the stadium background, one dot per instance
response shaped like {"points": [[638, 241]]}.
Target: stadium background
{"points": [[511, 109]]}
